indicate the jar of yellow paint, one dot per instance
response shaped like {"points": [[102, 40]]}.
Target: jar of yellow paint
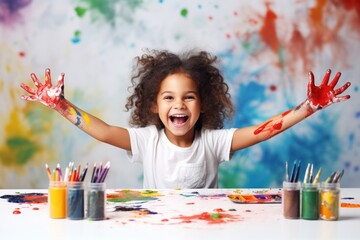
{"points": [[57, 199], [329, 201]]}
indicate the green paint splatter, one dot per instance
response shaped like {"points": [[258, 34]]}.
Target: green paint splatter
{"points": [[77, 34], [215, 215], [80, 11], [184, 12], [111, 10], [22, 149], [246, 45]]}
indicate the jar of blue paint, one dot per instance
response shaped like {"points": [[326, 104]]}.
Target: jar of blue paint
{"points": [[75, 200]]}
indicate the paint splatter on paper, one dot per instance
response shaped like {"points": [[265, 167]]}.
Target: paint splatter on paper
{"points": [[31, 198], [131, 195]]}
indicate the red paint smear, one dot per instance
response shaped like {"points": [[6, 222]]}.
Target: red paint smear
{"points": [[210, 18], [278, 125], [219, 210], [269, 128], [16, 211], [35, 208], [273, 88], [22, 54], [35, 199], [268, 30], [262, 127], [350, 5], [286, 113], [210, 218]]}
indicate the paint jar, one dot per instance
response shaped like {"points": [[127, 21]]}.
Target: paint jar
{"points": [[96, 199], [310, 201], [75, 200], [291, 200], [329, 201], [57, 199]]}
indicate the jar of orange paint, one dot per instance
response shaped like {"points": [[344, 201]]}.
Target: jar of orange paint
{"points": [[57, 199]]}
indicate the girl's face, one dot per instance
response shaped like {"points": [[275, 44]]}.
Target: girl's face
{"points": [[178, 106]]}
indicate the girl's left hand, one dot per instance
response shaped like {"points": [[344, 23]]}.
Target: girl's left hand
{"points": [[324, 95]]}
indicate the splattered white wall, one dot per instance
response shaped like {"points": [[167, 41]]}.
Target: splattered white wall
{"points": [[266, 49]]}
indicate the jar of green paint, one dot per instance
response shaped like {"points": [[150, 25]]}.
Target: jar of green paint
{"points": [[310, 201]]}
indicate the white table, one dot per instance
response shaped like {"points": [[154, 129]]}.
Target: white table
{"points": [[176, 214]]}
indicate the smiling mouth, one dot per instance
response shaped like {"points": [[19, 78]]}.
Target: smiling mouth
{"points": [[178, 119]]}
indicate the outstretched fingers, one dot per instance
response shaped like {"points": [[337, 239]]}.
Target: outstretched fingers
{"points": [[28, 89], [35, 80], [342, 89], [29, 98], [326, 78], [60, 83], [311, 84], [335, 80], [47, 77]]}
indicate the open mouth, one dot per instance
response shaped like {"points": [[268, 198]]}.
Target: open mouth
{"points": [[178, 119]]}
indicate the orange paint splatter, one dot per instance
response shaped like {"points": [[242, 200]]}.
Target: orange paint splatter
{"points": [[268, 30], [350, 205], [316, 13], [210, 218]]}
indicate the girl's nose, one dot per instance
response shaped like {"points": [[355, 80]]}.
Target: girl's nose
{"points": [[179, 104]]}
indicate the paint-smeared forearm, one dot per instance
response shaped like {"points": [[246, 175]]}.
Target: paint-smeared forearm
{"points": [[318, 97], [76, 116]]}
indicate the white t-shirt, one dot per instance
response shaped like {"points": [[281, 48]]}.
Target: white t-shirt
{"points": [[167, 166]]}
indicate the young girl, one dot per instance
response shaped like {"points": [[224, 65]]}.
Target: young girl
{"points": [[178, 109]]}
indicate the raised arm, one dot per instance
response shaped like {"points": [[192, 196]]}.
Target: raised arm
{"points": [[53, 97], [318, 97]]}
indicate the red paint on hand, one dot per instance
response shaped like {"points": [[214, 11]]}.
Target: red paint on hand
{"points": [[324, 95], [47, 94]]}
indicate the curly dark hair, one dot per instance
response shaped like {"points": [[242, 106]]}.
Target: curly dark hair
{"points": [[154, 66]]}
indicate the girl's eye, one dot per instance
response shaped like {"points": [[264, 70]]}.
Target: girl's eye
{"points": [[190, 97], [168, 97]]}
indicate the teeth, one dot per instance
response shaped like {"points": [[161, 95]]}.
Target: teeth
{"points": [[178, 115]]}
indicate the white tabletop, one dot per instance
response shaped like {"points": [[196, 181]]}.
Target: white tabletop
{"points": [[178, 214]]}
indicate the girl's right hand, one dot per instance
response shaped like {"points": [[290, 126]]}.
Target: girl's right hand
{"points": [[47, 94]]}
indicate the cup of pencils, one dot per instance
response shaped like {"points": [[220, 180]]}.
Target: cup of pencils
{"points": [[96, 193], [75, 191], [291, 193]]}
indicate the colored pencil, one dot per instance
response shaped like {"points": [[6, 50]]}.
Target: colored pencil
{"points": [[292, 178], [317, 176], [48, 171], [307, 174], [287, 171]]}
